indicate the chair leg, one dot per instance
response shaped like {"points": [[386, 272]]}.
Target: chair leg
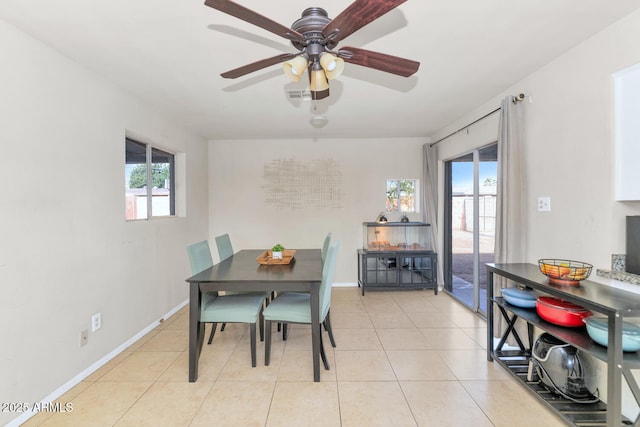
{"points": [[213, 332], [252, 333], [323, 355], [261, 320], [284, 332], [222, 327], [267, 343], [273, 295], [327, 327]]}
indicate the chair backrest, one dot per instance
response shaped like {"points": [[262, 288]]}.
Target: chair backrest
{"points": [[225, 250], [199, 256], [325, 246], [327, 279]]}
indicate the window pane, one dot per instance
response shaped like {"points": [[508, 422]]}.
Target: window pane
{"points": [[407, 196], [136, 180], [392, 196], [162, 178], [149, 186], [401, 195]]}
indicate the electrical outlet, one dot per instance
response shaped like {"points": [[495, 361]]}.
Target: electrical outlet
{"points": [[96, 322], [544, 204], [84, 337]]}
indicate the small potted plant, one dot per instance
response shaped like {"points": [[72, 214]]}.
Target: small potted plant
{"points": [[276, 251]]}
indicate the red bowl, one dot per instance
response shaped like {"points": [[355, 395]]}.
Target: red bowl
{"points": [[560, 312]]}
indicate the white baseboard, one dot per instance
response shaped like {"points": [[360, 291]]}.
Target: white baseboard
{"points": [[344, 285], [94, 367]]}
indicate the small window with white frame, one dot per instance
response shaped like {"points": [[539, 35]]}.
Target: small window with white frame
{"points": [[402, 195], [149, 181]]}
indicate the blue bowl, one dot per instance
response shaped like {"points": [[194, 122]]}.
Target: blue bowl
{"points": [[598, 330], [519, 297]]}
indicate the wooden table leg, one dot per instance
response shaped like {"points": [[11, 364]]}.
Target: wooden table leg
{"points": [[315, 331], [196, 330]]}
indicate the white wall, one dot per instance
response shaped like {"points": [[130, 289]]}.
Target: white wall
{"points": [[569, 148], [569, 138], [237, 196], [66, 251]]}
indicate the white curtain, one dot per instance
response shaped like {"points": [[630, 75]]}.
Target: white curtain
{"points": [[430, 199], [511, 224]]}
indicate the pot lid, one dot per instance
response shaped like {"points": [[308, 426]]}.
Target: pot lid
{"points": [[519, 293]]}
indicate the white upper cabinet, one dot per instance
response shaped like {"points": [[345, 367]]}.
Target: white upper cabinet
{"points": [[627, 133]]}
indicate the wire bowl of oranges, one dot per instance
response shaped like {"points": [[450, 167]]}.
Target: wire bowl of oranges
{"points": [[564, 271]]}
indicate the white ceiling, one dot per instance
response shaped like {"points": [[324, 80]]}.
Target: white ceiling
{"points": [[170, 53]]}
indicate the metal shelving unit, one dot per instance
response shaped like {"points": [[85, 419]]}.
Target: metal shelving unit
{"points": [[613, 303]]}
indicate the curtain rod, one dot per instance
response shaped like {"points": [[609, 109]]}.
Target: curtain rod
{"points": [[515, 99]]}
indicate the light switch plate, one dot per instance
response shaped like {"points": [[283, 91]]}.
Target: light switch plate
{"points": [[96, 322], [544, 204]]}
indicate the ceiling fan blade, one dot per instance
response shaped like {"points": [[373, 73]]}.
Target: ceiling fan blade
{"points": [[379, 61], [254, 18], [258, 65], [357, 15]]}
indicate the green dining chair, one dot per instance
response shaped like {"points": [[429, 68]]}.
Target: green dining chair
{"points": [[294, 307], [327, 321], [325, 246], [225, 250], [199, 260], [241, 308]]}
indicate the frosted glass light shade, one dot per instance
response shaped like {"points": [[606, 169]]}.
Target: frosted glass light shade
{"points": [[318, 81], [294, 68], [332, 65]]}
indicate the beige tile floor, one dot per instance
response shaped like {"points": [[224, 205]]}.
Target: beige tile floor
{"points": [[404, 359]]}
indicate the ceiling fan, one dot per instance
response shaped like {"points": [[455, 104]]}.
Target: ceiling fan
{"points": [[315, 35]]}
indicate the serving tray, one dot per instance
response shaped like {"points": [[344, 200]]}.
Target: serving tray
{"points": [[266, 259]]}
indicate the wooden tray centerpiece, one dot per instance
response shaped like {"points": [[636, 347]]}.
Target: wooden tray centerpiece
{"points": [[266, 258]]}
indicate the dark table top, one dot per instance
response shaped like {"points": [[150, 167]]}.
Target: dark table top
{"points": [[306, 266]]}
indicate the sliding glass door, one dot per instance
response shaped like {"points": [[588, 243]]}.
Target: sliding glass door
{"points": [[470, 214]]}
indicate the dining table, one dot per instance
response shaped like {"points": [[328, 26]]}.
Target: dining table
{"points": [[243, 272]]}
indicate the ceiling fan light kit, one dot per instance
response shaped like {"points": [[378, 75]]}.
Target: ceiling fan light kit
{"points": [[294, 68], [332, 65], [315, 35], [318, 80]]}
